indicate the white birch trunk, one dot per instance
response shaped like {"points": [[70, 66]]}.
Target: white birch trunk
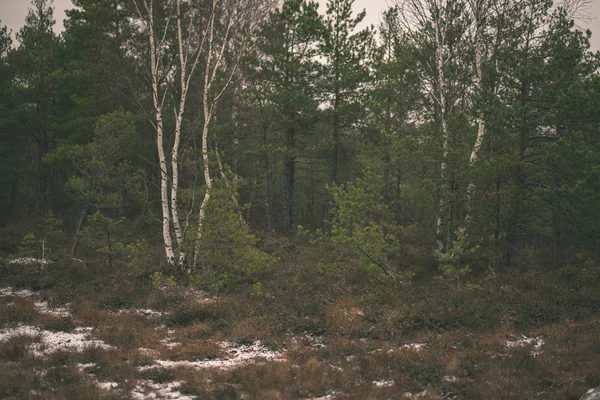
{"points": [[480, 124], [439, 55], [175, 151], [164, 178], [207, 118], [239, 14], [158, 126]]}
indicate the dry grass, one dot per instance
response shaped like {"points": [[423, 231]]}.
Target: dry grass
{"points": [[337, 338], [17, 309]]}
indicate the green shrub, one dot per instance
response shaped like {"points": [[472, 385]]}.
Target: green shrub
{"points": [[362, 229], [453, 267], [228, 255]]}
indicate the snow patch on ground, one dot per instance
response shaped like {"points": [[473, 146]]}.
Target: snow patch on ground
{"points": [[44, 308], [237, 356], [150, 390], [383, 384], [51, 342], [148, 352], [523, 341], [40, 306], [414, 346], [108, 385], [312, 341], [8, 291], [148, 313], [29, 261], [409, 395], [168, 342]]}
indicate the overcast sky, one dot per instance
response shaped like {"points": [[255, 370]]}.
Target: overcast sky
{"points": [[12, 14]]}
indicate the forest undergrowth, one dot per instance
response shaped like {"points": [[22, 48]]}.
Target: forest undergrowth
{"points": [[308, 330]]}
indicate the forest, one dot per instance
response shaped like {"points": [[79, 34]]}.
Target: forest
{"points": [[269, 199]]}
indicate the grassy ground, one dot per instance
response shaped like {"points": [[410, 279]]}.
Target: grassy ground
{"points": [[327, 333]]}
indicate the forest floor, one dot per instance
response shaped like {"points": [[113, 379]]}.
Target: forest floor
{"points": [[81, 332]]}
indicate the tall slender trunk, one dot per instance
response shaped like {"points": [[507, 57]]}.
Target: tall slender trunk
{"points": [[290, 176], [175, 189], [267, 185], [480, 125], [208, 113], [208, 181], [164, 177], [439, 55], [175, 151], [336, 137]]}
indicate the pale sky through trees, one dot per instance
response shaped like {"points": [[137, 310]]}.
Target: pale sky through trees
{"points": [[12, 14]]}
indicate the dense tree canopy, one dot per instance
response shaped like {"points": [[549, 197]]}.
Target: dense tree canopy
{"points": [[452, 119]]}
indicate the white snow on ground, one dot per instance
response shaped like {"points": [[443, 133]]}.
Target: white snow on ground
{"points": [[312, 340], [44, 308], [29, 261], [148, 352], [414, 346], [383, 384], [237, 356], [51, 342], [8, 291], [40, 306], [108, 385], [168, 342], [409, 395], [523, 341], [148, 313], [150, 390]]}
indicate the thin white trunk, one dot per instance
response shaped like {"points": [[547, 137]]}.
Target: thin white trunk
{"points": [[187, 58], [481, 118], [158, 126], [439, 55], [238, 15], [207, 118], [175, 151], [480, 124]]}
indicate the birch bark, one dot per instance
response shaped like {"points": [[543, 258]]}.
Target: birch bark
{"points": [[479, 27], [441, 86], [158, 103], [240, 17], [186, 56]]}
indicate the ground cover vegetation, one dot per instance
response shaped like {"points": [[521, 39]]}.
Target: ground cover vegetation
{"points": [[227, 199]]}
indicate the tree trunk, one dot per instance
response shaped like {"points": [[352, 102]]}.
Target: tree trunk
{"points": [[290, 177], [480, 127], [441, 85], [164, 178]]}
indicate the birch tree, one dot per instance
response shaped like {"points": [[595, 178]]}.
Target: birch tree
{"points": [[157, 41], [434, 24], [190, 49], [229, 30], [482, 13]]}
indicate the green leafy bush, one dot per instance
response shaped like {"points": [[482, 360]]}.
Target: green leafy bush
{"points": [[453, 267], [227, 253], [363, 229]]}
